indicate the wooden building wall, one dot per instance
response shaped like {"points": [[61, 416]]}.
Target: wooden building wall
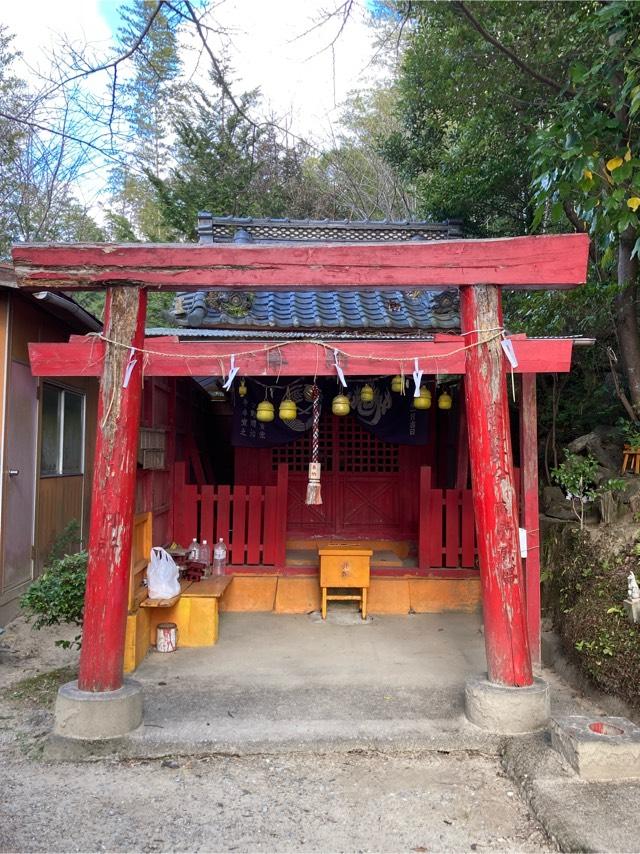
{"points": [[58, 499]]}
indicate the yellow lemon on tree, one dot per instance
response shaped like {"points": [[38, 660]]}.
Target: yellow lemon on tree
{"points": [[633, 203], [614, 163]]}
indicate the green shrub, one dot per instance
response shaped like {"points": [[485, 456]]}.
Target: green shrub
{"points": [[585, 584], [577, 478], [57, 596]]}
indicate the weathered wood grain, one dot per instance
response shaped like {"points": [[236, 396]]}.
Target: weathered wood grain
{"points": [[494, 494], [545, 261], [113, 498]]}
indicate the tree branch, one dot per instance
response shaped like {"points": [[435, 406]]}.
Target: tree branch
{"points": [[522, 65]]}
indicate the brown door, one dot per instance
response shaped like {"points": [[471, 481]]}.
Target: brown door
{"points": [[20, 480], [361, 482]]}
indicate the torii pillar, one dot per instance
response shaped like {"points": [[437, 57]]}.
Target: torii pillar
{"points": [[101, 704], [509, 699]]}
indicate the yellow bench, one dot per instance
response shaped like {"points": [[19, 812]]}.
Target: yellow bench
{"points": [[195, 610]]}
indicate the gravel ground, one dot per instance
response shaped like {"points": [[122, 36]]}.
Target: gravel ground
{"points": [[299, 802]]}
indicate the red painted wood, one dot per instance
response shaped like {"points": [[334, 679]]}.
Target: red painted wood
{"points": [[282, 487], [435, 528], [179, 479], [206, 516], [223, 515], [270, 524], [542, 261], [462, 454], [494, 494], [530, 509], [239, 532], [468, 530], [168, 358], [112, 500], [452, 522], [254, 524], [424, 534], [189, 498]]}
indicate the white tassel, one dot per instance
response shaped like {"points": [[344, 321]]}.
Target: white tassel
{"points": [[314, 494]]}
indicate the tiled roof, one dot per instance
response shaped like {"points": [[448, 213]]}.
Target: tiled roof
{"points": [[319, 310]]}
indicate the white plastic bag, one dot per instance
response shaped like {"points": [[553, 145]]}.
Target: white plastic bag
{"points": [[162, 575]]}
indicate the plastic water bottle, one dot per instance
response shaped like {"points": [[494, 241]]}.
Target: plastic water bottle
{"points": [[219, 557], [194, 550], [204, 554]]}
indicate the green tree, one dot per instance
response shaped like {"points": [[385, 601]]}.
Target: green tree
{"points": [[518, 116], [147, 102], [227, 164]]}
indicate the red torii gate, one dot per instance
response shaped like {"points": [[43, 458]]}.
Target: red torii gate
{"points": [[480, 268]]}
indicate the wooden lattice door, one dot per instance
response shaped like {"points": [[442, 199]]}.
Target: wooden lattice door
{"points": [[361, 484]]}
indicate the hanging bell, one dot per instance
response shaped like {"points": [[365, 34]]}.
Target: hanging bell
{"points": [[366, 393], [340, 405], [242, 388], [265, 411], [423, 401], [397, 383], [288, 411], [445, 401]]}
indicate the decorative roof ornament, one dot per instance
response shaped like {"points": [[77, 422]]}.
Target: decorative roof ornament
{"points": [[232, 303]]}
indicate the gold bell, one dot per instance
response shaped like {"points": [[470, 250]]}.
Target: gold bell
{"points": [[340, 405], [423, 401], [366, 393], [288, 410], [397, 383], [445, 401], [242, 389], [265, 411]]}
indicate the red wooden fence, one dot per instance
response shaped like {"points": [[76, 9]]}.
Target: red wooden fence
{"points": [[251, 520], [447, 528]]}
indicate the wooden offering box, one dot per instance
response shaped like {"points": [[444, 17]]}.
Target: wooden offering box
{"points": [[344, 565]]}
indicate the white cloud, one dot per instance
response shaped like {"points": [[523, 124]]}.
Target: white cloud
{"points": [[38, 26]]}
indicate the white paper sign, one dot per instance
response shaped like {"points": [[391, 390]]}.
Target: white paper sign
{"points": [[523, 542]]}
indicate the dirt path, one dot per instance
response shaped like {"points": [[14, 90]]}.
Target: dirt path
{"points": [[360, 802]]}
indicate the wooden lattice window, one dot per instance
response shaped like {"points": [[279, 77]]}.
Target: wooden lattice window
{"points": [[297, 454], [361, 451], [345, 446]]}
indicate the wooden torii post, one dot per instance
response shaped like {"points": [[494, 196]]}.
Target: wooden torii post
{"points": [[480, 268]]}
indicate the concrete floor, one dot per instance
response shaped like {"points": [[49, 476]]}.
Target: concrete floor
{"points": [[275, 679]]}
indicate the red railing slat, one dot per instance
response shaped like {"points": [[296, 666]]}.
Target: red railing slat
{"points": [[206, 516], [254, 524], [468, 530], [452, 528], [223, 514], [270, 525], [239, 529]]}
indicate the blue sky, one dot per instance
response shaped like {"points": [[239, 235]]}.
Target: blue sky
{"points": [[110, 11]]}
